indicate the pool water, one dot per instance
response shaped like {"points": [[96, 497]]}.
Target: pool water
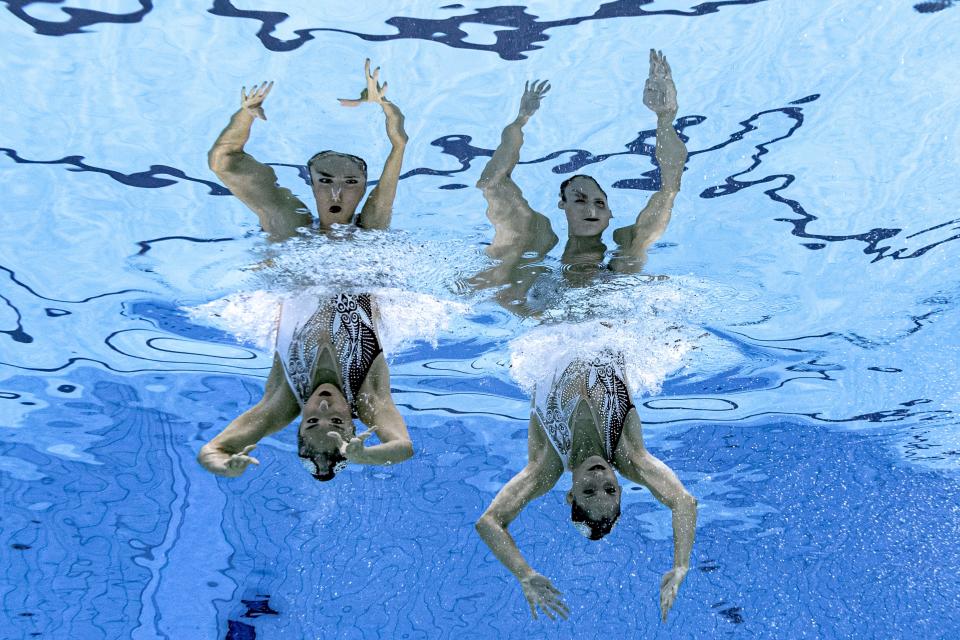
{"points": [[812, 408]]}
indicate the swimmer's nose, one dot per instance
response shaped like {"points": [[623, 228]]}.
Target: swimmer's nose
{"points": [[336, 194], [323, 406]]}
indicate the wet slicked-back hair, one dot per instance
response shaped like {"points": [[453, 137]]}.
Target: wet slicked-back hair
{"points": [[598, 528], [563, 185], [360, 162], [310, 464]]}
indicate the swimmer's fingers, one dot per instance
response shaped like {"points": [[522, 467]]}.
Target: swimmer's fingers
{"points": [[239, 461], [532, 604], [552, 598], [247, 449], [366, 434], [338, 439], [559, 607]]}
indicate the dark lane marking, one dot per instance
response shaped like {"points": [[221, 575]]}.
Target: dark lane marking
{"points": [[78, 18], [143, 179], [520, 30]]}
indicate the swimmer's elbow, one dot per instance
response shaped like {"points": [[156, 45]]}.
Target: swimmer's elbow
{"points": [[406, 450], [222, 161], [686, 502], [483, 524]]}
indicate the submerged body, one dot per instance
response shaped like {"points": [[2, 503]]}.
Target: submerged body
{"points": [[329, 368], [584, 422]]}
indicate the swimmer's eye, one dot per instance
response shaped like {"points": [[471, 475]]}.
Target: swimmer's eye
{"points": [[601, 204], [588, 492], [336, 421], [353, 181], [312, 422], [324, 180], [611, 491]]}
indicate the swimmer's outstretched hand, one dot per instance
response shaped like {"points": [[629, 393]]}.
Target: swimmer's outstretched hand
{"points": [[669, 585], [375, 92], [541, 593], [237, 463], [533, 93], [353, 450], [659, 92], [253, 101]]}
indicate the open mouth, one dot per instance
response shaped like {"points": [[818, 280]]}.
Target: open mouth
{"points": [[597, 467], [324, 394], [591, 219], [335, 209]]}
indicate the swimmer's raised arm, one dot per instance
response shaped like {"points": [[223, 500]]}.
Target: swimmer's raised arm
{"points": [[376, 409], [507, 155], [254, 183], [636, 463], [520, 233], [228, 453], [378, 208], [660, 96], [543, 470]]}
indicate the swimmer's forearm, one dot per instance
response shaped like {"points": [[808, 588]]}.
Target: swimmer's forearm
{"points": [[502, 545], [671, 152], [231, 140], [507, 155], [395, 130], [684, 529], [387, 453]]}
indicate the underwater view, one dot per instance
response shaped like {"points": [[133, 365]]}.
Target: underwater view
{"points": [[579, 319]]}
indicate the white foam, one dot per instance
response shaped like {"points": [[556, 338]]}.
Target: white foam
{"points": [[405, 317], [653, 348], [351, 259]]}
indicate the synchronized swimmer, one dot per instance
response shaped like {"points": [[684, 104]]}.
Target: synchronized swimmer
{"points": [[328, 366], [583, 420]]}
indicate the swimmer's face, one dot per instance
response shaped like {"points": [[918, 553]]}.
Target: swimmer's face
{"points": [[325, 411], [595, 488], [338, 186], [586, 207]]}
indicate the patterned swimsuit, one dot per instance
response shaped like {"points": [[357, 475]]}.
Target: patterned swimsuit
{"points": [[602, 383], [308, 325]]}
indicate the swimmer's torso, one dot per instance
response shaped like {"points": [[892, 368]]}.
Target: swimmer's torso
{"points": [[328, 337], [600, 384]]}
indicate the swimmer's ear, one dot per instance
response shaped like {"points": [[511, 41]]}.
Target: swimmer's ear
{"points": [[561, 204], [570, 496]]}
